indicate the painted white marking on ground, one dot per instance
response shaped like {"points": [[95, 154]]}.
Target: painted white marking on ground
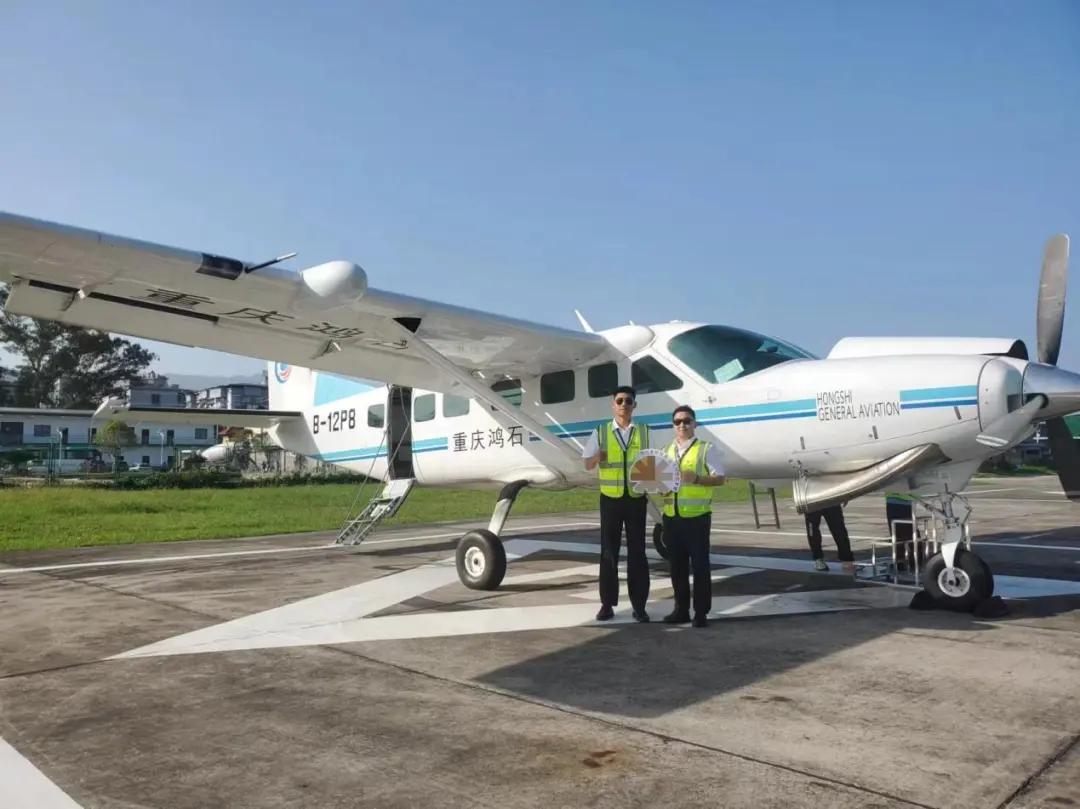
{"points": [[24, 786], [977, 545], [507, 619], [149, 560], [663, 584]]}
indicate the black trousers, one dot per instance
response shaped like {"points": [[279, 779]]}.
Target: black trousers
{"points": [[617, 513], [834, 518], [688, 540]]}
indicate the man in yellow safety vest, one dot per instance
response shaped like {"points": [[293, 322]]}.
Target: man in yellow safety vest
{"points": [[688, 518], [614, 447]]}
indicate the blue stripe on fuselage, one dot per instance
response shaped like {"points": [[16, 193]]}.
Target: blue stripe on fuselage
{"points": [[915, 399]]}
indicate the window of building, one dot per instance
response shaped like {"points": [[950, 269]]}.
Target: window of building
{"points": [[509, 389], [454, 406], [648, 375], [376, 416], [145, 437], [424, 407], [170, 437], [557, 387], [603, 380], [42, 430], [200, 433], [724, 353]]}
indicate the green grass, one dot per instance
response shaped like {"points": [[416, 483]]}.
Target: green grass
{"points": [[75, 516]]}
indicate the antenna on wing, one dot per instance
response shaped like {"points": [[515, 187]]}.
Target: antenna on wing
{"points": [[269, 263], [584, 323]]}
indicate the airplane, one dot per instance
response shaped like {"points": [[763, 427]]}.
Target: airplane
{"points": [[474, 399]]}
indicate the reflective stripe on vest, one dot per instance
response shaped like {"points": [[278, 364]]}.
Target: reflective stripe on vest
{"points": [[615, 468], [897, 497], [689, 501]]}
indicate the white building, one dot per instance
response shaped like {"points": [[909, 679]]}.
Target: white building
{"points": [[69, 435]]}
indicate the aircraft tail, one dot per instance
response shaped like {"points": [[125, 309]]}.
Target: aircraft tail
{"points": [[291, 387], [295, 388]]}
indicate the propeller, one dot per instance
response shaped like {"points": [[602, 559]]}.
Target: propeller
{"points": [[1050, 320]]}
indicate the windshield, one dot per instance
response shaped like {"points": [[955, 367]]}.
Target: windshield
{"points": [[724, 353]]}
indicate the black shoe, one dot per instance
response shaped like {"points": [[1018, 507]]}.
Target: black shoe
{"points": [[641, 616], [606, 613], [677, 617], [701, 620]]}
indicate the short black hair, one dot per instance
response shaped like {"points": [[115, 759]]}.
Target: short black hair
{"points": [[683, 409], [627, 390]]}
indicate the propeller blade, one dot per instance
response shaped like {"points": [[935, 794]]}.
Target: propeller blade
{"points": [[1050, 312], [1011, 428], [1066, 456]]}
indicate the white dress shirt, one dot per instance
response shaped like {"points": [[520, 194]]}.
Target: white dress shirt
{"points": [[592, 445], [713, 463]]}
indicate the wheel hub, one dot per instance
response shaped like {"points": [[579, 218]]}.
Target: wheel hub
{"points": [[955, 583], [474, 561]]}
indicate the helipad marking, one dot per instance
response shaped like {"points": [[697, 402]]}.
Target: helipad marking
{"points": [[24, 786], [340, 616]]}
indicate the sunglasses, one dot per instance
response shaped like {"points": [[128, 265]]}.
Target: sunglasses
{"points": [[622, 400], [681, 422]]}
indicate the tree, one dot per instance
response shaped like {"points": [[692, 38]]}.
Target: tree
{"points": [[67, 366], [113, 437]]}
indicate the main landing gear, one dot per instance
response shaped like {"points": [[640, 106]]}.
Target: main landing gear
{"points": [[954, 578], [481, 557]]}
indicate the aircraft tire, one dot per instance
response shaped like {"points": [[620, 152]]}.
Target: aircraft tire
{"points": [[976, 581], [481, 560], [658, 540]]}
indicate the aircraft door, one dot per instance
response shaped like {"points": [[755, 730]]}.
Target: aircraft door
{"points": [[399, 432]]}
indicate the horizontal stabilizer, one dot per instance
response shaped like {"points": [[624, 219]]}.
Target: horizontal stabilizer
{"points": [[119, 410]]}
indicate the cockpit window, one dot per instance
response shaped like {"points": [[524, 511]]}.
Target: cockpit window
{"points": [[724, 353]]}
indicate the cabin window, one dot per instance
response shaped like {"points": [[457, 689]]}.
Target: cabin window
{"points": [[424, 407], [648, 375], [454, 406], [724, 353], [376, 416], [509, 389], [603, 380], [557, 387]]}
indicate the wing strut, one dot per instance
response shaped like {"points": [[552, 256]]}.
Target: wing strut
{"points": [[392, 329]]}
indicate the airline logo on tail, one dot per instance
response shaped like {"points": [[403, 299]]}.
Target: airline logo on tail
{"points": [[282, 371]]}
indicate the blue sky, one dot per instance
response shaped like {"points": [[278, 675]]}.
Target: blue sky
{"points": [[811, 170]]}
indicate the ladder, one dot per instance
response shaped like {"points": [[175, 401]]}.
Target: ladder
{"points": [[383, 505]]}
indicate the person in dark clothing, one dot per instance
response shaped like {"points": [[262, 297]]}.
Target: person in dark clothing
{"points": [[834, 518]]}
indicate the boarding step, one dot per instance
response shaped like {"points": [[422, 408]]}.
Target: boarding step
{"points": [[381, 507]]}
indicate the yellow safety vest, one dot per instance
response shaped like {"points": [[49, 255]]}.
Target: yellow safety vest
{"points": [[615, 468], [689, 501]]}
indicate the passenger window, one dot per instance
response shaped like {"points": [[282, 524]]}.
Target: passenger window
{"points": [[453, 406], [509, 389], [376, 416], [648, 375], [603, 380], [424, 407], [557, 387]]}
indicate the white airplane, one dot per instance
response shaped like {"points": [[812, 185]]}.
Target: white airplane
{"points": [[475, 399]]}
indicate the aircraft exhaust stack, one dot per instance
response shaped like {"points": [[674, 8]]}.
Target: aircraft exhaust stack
{"points": [[813, 494]]}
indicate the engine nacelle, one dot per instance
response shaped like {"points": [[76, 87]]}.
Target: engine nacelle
{"points": [[850, 347]]}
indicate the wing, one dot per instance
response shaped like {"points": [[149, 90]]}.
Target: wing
{"points": [[324, 317], [117, 409]]}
